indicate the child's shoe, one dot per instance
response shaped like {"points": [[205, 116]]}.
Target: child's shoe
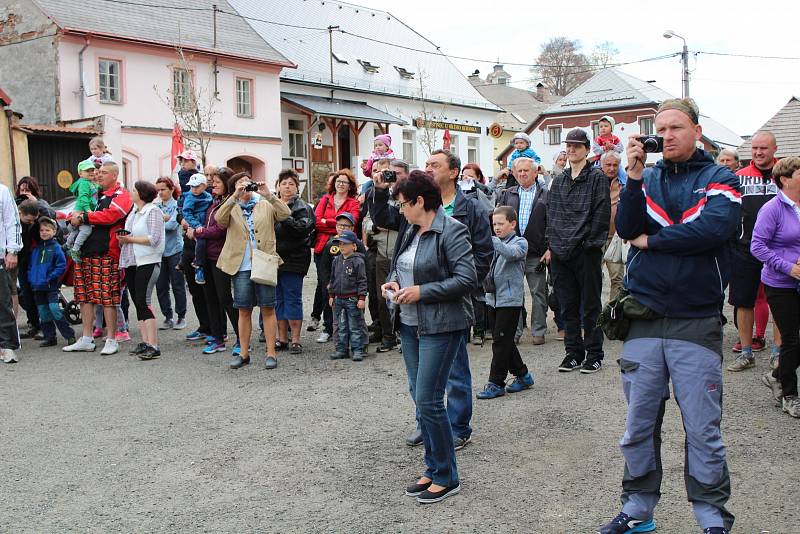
{"points": [[491, 391], [200, 276], [97, 332], [122, 336], [75, 255], [52, 342]]}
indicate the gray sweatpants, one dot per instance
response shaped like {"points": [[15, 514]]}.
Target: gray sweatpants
{"points": [[687, 352], [537, 284]]}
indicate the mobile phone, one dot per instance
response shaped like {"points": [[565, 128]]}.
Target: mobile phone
{"points": [[390, 295], [123, 231]]}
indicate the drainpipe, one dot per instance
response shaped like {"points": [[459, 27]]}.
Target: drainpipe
{"points": [[82, 89], [10, 118]]}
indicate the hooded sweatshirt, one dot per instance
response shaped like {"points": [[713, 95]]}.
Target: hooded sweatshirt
{"points": [[47, 265], [690, 211]]}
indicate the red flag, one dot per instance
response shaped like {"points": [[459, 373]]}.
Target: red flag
{"points": [[177, 143], [446, 140]]}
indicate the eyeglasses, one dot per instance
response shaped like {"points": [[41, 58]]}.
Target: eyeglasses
{"points": [[342, 182], [402, 205]]}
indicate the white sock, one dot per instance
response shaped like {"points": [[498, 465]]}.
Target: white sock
{"points": [[87, 339]]}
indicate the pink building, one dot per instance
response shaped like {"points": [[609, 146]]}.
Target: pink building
{"points": [[116, 69]]}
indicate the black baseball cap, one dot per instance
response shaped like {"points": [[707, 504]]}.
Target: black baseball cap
{"points": [[579, 136]]}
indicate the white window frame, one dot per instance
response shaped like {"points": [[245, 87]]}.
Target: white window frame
{"points": [[181, 89], [595, 129], [244, 98], [410, 147], [550, 132], [454, 145], [473, 149], [652, 121], [105, 79], [297, 138]]}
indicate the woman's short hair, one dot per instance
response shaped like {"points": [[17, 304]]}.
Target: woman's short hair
{"points": [[231, 184], [785, 168], [146, 190], [351, 192], [506, 211], [224, 174], [419, 184], [288, 174], [478, 172], [167, 181], [33, 186]]}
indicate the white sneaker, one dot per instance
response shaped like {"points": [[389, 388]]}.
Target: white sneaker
{"points": [[9, 356], [323, 337], [180, 324], [111, 347], [82, 345]]}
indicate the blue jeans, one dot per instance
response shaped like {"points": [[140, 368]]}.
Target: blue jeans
{"points": [[170, 276], [51, 316], [428, 362], [349, 317], [459, 390]]}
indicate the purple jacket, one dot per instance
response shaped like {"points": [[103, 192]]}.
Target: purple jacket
{"points": [[776, 241], [213, 233]]}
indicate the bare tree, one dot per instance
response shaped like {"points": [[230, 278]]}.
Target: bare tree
{"points": [[604, 54], [562, 65], [428, 116], [192, 107]]}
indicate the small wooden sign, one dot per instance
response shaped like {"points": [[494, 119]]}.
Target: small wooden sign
{"points": [[64, 179]]}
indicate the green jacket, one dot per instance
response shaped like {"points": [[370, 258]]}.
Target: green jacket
{"points": [[86, 194]]}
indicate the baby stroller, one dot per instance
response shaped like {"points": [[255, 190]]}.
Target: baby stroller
{"points": [[70, 308]]}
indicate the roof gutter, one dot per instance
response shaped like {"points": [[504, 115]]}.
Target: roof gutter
{"points": [[161, 44], [10, 119], [82, 87]]}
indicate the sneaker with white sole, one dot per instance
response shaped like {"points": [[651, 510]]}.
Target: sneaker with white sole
{"points": [[775, 387], [9, 356], [180, 324], [791, 405], [83, 344], [745, 360], [168, 324], [324, 337], [313, 324], [111, 347]]}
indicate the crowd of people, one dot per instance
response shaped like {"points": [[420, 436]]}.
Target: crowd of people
{"points": [[440, 259]]}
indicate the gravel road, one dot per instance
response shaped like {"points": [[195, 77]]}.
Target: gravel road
{"points": [[112, 444]]}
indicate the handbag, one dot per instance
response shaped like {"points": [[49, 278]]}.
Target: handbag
{"points": [[613, 253], [615, 319], [488, 282], [264, 267]]}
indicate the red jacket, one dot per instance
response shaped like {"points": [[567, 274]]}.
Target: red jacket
{"points": [[113, 207], [326, 218]]}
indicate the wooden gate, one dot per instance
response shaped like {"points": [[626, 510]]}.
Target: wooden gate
{"points": [[51, 154]]}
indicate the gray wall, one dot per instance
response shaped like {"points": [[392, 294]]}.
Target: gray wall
{"points": [[28, 70]]}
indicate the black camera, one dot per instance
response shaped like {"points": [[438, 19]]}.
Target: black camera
{"points": [[652, 143], [389, 176], [252, 186]]}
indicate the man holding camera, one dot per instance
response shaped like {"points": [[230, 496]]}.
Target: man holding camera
{"points": [[529, 200], [445, 167], [679, 217], [578, 211], [97, 276]]}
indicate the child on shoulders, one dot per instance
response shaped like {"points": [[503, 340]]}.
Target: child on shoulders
{"points": [[522, 149], [606, 141]]}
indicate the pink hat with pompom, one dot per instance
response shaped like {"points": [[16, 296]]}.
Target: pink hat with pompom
{"points": [[386, 139]]}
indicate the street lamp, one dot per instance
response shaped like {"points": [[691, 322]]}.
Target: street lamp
{"points": [[685, 57]]}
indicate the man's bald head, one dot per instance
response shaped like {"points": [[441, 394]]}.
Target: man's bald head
{"points": [[763, 149]]}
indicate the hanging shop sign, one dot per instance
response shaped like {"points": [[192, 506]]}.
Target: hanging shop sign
{"points": [[495, 130], [453, 127]]}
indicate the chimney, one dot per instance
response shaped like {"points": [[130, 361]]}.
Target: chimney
{"points": [[541, 92], [475, 76]]}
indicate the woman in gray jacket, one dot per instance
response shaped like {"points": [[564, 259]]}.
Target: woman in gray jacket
{"points": [[430, 282]]}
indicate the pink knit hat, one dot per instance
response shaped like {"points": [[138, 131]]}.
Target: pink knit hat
{"points": [[386, 139]]}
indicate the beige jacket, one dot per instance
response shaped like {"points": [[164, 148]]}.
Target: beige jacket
{"points": [[265, 214]]}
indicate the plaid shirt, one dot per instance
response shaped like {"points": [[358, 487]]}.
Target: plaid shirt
{"points": [[526, 197], [578, 211]]}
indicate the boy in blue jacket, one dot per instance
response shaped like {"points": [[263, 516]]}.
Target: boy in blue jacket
{"points": [[195, 206], [47, 265]]}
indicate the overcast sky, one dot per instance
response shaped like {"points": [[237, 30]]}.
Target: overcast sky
{"points": [[741, 93]]}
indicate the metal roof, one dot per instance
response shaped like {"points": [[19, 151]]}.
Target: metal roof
{"points": [[340, 109], [718, 134], [167, 22], [609, 89], [521, 106], [55, 128], [785, 125], [309, 48]]}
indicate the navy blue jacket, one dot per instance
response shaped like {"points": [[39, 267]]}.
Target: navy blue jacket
{"points": [[690, 211], [47, 265]]}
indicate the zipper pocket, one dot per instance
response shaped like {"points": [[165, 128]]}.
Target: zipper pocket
{"points": [[630, 265]]}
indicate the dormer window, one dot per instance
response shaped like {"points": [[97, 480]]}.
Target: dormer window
{"points": [[406, 75], [369, 67], [339, 59]]}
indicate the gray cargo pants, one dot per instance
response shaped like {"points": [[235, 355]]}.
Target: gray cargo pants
{"points": [[688, 352]]}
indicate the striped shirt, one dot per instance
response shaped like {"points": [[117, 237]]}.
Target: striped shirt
{"points": [[10, 229]]}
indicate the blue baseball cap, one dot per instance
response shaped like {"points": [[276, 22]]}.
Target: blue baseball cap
{"points": [[346, 215], [346, 237]]}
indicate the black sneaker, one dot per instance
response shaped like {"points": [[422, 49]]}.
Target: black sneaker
{"points": [[150, 353], [337, 355], [716, 530], [296, 348], [52, 342], [415, 438], [140, 348], [591, 366], [460, 443], [430, 497], [625, 524], [569, 364], [386, 346], [29, 334]]}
